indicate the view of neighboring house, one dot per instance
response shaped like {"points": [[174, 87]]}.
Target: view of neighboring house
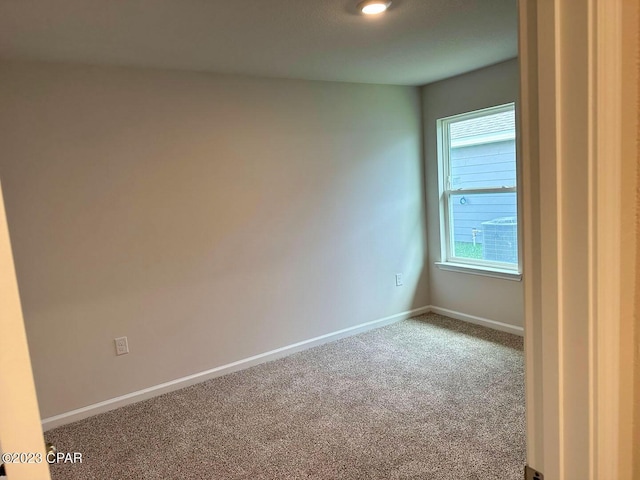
{"points": [[483, 156]]}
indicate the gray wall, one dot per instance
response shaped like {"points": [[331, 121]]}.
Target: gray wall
{"points": [[492, 298], [208, 218]]}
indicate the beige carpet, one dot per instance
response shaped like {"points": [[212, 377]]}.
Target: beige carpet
{"points": [[428, 398]]}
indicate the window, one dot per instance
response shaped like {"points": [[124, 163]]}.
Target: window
{"points": [[478, 191]]}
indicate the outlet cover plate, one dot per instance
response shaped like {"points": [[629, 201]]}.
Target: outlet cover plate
{"points": [[122, 346]]}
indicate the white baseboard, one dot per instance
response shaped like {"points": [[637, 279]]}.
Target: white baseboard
{"points": [[485, 322], [146, 393]]}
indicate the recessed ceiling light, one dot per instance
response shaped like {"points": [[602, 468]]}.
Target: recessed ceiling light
{"points": [[373, 7]]}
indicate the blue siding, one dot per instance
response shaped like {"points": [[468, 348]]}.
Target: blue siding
{"points": [[476, 166], [485, 165]]}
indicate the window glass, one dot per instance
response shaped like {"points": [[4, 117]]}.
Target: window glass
{"points": [[485, 227], [479, 188]]}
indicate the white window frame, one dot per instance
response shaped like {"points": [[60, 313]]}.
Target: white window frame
{"points": [[448, 260]]}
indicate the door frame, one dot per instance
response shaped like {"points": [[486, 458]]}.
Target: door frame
{"points": [[577, 97], [20, 426]]}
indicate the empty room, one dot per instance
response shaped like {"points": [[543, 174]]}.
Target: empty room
{"points": [[275, 242], [265, 239]]}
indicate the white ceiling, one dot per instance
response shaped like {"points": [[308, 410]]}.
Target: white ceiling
{"points": [[414, 43]]}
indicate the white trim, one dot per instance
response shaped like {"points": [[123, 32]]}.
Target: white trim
{"points": [[572, 102], [530, 225], [479, 112], [19, 417], [540, 64], [485, 322], [605, 162], [177, 384], [444, 144], [484, 271], [482, 191]]}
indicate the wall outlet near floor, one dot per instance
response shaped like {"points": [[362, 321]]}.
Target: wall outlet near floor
{"points": [[399, 280], [122, 345]]}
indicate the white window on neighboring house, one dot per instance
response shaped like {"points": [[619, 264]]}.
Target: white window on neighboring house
{"points": [[479, 192]]}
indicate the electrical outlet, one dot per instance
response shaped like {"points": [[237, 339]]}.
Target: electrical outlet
{"points": [[399, 280], [122, 345]]}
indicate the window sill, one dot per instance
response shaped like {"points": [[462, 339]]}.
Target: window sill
{"points": [[480, 270]]}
